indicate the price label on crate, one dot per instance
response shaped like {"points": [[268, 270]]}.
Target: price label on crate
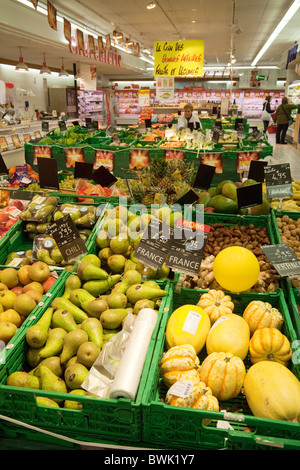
{"points": [[283, 258], [279, 181], [186, 253], [67, 238], [153, 248]]}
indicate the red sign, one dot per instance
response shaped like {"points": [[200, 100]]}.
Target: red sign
{"points": [[244, 160], [104, 158], [213, 159]]}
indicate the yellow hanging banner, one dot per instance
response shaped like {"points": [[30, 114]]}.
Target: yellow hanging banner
{"points": [[179, 58]]}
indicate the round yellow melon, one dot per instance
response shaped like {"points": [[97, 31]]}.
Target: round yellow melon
{"points": [[188, 324], [231, 333]]}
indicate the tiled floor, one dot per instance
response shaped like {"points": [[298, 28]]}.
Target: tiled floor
{"points": [[287, 153]]}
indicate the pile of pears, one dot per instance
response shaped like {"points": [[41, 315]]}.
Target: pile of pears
{"points": [[120, 233], [64, 343], [21, 290]]}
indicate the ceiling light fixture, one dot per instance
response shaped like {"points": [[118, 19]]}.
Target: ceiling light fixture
{"points": [[45, 69], [63, 72], [289, 14], [78, 73], [21, 66], [151, 5]]}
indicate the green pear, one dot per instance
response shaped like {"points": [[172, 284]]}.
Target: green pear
{"points": [[75, 375], [98, 287], [151, 283], [143, 303], [80, 296], [88, 271], [90, 258], [95, 307], [116, 263], [87, 353], [45, 401], [22, 379], [145, 271], [31, 356], [71, 360], [72, 282], [139, 291], [129, 265], [51, 382], [72, 404], [93, 328], [129, 278], [54, 343], [36, 335], [43, 255], [116, 300], [112, 318], [102, 240], [53, 363], [119, 244], [65, 304], [72, 341], [63, 319], [56, 255], [104, 254], [163, 272]]}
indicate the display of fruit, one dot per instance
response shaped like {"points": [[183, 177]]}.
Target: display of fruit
{"points": [[216, 304], [10, 214], [179, 362], [21, 291], [40, 209], [223, 199], [68, 337], [291, 204]]}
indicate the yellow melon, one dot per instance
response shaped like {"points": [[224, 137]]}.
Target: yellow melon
{"points": [[188, 324], [231, 333]]}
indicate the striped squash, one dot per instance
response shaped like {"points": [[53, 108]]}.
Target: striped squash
{"points": [[269, 344], [259, 314]]}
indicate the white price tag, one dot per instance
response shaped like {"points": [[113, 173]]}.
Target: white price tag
{"points": [[39, 200], [181, 389], [223, 318], [191, 322], [15, 262]]}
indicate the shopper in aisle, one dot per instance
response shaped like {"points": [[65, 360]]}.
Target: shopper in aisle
{"points": [[283, 118], [188, 119], [267, 111]]}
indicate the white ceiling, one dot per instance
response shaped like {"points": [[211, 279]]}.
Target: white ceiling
{"points": [[209, 20]]}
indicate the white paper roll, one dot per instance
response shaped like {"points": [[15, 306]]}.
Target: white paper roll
{"points": [[129, 372]]}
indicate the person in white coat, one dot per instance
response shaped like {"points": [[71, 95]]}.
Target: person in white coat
{"points": [[267, 111], [188, 118]]}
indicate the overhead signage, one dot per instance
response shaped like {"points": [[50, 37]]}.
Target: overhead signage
{"points": [[106, 56], [164, 88], [292, 54], [179, 58]]}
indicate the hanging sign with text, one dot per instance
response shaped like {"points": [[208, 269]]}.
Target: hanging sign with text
{"points": [[179, 58]]}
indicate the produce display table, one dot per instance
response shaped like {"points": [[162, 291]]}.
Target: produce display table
{"points": [[147, 420]]}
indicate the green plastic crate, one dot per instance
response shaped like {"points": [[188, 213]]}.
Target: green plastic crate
{"points": [[116, 420], [181, 428], [293, 300]]}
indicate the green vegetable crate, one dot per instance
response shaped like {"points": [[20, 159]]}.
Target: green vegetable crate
{"points": [[172, 427], [115, 420]]}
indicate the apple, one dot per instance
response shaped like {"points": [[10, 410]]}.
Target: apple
{"points": [[9, 277], [49, 283], [11, 316], [7, 331], [39, 271], [23, 275], [36, 295], [35, 286], [17, 290], [24, 304], [7, 298]]}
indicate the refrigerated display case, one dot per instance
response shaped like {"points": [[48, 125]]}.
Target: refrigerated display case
{"points": [[294, 95], [91, 104]]}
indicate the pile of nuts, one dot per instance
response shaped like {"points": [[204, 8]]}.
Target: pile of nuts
{"points": [[222, 236], [289, 231]]}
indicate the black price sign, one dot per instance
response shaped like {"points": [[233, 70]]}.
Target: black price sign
{"points": [[279, 181], [189, 198], [185, 254], [45, 126], [62, 125], [154, 245], [204, 176], [67, 238], [249, 196], [48, 174], [283, 259], [104, 177], [257, 170]]}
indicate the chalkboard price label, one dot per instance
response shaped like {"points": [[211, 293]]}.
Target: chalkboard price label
{"points": [[67, 238], [283, 258], [279, 181]]}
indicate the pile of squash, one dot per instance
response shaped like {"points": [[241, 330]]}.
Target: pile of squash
{"points": [[271, 389]]}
